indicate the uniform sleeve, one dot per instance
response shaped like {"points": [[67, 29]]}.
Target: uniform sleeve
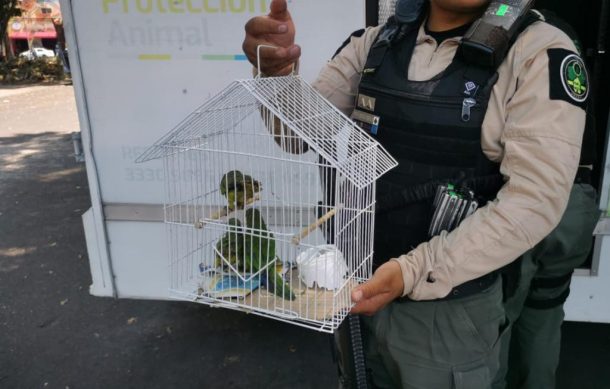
{"points": [[339, 78], [538, 141]]}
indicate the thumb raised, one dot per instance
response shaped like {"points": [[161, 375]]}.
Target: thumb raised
{"points": [[279, 10]]}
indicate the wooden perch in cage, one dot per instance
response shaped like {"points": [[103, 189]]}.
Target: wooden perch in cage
{"points": [[224, 211], [296, 240]]}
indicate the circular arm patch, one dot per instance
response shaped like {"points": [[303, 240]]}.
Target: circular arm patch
{"points": [[574, 77], [568, 77]]}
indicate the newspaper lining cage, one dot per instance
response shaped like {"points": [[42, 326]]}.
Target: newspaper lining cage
{"points": [[269, 203]]}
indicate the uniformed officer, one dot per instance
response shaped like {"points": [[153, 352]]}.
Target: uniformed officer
{"points": [[437, 303]]}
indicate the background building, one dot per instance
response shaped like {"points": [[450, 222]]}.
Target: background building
{"points": [[40, 25]]}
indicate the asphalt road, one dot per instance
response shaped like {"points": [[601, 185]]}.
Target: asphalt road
{"points": [[53, 334]]}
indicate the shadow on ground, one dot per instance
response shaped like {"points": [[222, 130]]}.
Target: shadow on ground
{"points": [[53, 334]]}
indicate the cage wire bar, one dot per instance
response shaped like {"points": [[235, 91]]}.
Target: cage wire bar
{"points": [[269, 203]]}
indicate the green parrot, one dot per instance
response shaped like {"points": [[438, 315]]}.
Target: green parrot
{"points": [[260, 250], [231, 245], [238, 188]]}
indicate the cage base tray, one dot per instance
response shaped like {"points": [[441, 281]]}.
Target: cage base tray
{"points": [[316, 304]]}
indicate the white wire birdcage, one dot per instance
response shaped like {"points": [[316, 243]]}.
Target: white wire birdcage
{"points": [[269, 203]]}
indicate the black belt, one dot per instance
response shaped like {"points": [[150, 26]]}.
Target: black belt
{"points": [[466, 289], [583, 175]]}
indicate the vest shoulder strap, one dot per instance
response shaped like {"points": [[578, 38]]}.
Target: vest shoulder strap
{"points": [[530, 18], [391, 33]]}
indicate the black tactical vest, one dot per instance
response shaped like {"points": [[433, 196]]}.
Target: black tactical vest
{"points": [[433, 129]]}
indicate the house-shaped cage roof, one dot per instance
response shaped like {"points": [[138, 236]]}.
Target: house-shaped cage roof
{"points": [[298, 106]]}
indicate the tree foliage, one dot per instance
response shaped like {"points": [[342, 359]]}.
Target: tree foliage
{"points": [[22, 71], [8, 9]]}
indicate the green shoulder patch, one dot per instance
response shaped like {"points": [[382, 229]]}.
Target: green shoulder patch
{"points": [[568, 77]]}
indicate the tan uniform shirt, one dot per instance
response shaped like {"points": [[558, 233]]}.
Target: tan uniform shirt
{"points": [[537, 141]]}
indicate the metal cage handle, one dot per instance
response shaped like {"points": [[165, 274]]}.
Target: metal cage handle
{"points": [[258, 60]]}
